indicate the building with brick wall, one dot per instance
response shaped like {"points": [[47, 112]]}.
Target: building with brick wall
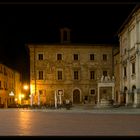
{"points": [[116, 58], [72, 71], [10, 86], [129, 37]]}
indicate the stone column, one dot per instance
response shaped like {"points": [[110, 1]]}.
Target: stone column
{"points": [[38, 99], [126, 97], [31, 100], [55, 99], [98, 97], [119, 97], [112, 92], [135, 98], [60, 99]]}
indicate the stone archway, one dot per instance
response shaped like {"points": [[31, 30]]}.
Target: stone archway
{"points": [[132, 95], [76, 96]]}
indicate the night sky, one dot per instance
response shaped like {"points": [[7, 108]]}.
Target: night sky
{"points": [[21, 24]]}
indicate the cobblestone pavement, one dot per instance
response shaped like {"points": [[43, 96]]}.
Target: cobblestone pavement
{"points": [[84, 109], [78, 121]]}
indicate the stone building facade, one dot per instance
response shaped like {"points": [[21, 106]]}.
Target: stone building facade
{"points": [[70, 70], [116, 58], [129, 37], [10, 86]]}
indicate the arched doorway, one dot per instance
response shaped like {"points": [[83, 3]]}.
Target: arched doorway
{"points": [[76, 96], [124, 95], [132, 95]]}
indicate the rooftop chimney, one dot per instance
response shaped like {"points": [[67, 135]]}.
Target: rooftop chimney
{"points": [[65, 35]]}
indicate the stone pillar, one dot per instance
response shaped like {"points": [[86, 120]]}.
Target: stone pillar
{"points": [[126, 97], [31, 100], [60, 99], [98, 97], [113, 93], [55, 99], [38, 99], [135, 98], [119, 97]]}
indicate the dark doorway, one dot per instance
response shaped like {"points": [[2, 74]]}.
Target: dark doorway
{"points": [[76, 96], [132, 95], [124, 95]]}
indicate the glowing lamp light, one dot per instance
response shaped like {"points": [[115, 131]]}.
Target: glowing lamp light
{"points": [[25, 87], [22, 95], [11, 93]]}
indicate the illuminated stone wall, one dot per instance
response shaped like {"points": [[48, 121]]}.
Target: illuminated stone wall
{"points": [[49, 65], [10, 85]]}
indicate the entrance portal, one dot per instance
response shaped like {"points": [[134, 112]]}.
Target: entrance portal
{"points": [[76, 96]]}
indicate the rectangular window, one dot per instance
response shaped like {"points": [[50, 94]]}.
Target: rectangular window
{"points": [[0, 69], [133, 68], [124, 71], [0, 85], [75, 75], [59, 75], [91, 56], [104, 57], [92, 91], [40, 56], [75, 56], [104, 73], [92, 76], [40, 92], [6, 85], [59, 56], [40, 75]]}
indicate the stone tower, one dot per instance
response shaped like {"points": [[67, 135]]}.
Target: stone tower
{"points": [[65, 35]]}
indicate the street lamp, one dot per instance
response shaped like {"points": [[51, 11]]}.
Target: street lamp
{"points": [[25, 87], [25, 90]]}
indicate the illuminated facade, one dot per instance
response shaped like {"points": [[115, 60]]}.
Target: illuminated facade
{"points": [[129, 37], [70, 70], [10, 86], [117, 94]]}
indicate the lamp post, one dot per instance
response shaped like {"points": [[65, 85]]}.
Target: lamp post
{"points": [[26, 87], [21, 96]]}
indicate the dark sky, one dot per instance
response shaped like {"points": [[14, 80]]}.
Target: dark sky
{"points": [[40, 23]]}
